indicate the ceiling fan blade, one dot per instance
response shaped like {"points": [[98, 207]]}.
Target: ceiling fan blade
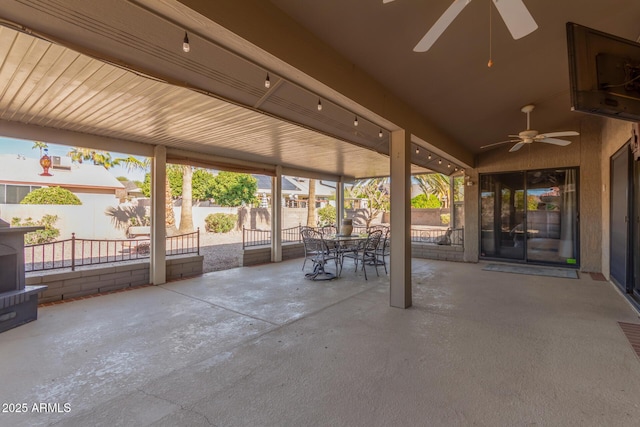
{"points": [[441, 24], [500, 143], [518, 146], [555, 141], [554, 134], [517, 17]]}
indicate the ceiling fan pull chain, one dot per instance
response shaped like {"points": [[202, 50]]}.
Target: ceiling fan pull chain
{"points": [[490, 63]]}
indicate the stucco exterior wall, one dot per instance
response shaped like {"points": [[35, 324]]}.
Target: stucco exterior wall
{"points": [[472, 217], [87, 220], [590, 200], [584, 152], [599, 139]]}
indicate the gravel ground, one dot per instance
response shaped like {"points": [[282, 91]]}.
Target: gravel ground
{"points": [[220, 251]]}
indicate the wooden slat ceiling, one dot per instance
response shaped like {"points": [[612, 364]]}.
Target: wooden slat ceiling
{"points": [[48, 85]]}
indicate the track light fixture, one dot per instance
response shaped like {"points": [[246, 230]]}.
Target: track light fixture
{"points": [[355, 121], [267, 82], [319, 104], [185, 43]]}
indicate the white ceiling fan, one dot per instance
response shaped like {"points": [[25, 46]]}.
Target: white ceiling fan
{"points": [[514, 13], [528, 136]]}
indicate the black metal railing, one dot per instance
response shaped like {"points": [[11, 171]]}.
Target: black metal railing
{"points": [[75, 252], [454, 237], [290, 235], [438, 236], [253, 237]]}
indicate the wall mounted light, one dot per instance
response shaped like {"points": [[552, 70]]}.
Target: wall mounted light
{"points": [[417, 150], [319, 105], [185, 43], [355, 121], [267, 82], [439, 161], [380, 134], [429, 156]]}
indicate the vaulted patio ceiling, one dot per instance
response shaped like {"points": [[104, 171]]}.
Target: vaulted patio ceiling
{"points": [[356, 57]]}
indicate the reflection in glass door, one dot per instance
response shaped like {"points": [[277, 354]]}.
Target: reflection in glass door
{"points": [[530, 217], [502, 215], [552, 214]]}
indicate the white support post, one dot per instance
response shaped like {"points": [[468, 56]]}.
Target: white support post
{"points": [[400, 258], [158, 266], [276, 216], [339, 203]]}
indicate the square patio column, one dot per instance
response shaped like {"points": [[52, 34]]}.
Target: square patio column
{"points": [[339, 203], [400, 258], [276, 216], [158, 263]]}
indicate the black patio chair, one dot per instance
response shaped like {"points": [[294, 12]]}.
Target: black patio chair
{"points": [[319, 252], [366, 252], [384, 249], [305, 235]]}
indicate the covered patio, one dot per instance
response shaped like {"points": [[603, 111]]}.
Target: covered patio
{"points": [[262, 346]]}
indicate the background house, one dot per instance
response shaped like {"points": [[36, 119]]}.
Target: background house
{"points": [[96, 188]]}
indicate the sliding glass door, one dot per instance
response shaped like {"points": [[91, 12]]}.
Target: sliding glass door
{"points": [[530, 216], [552, 214], [502, 215]]}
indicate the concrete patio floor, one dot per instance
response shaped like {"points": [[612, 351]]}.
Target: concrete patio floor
{"points": [[262, 346]]}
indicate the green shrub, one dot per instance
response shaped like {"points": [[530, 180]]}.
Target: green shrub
{"points": [[51, 196], [327, 215], [220, 223], [37, 237], [422, 201], [445, 219]]}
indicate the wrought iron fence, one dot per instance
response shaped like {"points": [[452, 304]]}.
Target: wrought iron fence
{"points": [[455, 236], [74, 252], [449, 236], [253, 237]]}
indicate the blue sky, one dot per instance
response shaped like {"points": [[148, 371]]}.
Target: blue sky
{"points": [[20, 146]]}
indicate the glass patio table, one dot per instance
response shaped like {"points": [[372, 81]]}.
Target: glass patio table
{"points": [[343, 244]]}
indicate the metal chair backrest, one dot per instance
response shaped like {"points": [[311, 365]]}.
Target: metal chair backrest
{"points": [[312, 240], [373, 240], [328, 230]]}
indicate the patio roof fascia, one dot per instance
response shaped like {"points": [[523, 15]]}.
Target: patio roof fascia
{"points": [[18, 130]]}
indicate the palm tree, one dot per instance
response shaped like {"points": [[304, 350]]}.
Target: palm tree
{"points": [[41, 145], [436, 184], [102, 158], [133, 163], [186, 213], [311, 205]]}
